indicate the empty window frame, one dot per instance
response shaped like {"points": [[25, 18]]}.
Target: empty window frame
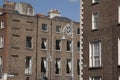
{"points": [[94, 21], [57, 66], [2, 24], [44, 43], [58, 44], [69, 45], [1, 41], [58, 29], [95, 78], [28, 65], [69, 66], [43, 65], [29, 42], [44, 27], [95, 54]]}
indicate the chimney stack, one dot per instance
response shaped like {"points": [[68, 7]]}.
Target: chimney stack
{"points": [[53, 12]]}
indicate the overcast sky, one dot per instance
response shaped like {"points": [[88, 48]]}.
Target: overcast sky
{"points": [[67, 8]]}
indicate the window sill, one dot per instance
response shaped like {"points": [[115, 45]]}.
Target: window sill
{"points": [[58, 50], [29, 48], [118, 24], [94, 30], [28, 74], [69, 74], [58, 32], [1, 47], [118, 66], [2, 28], [44, 49], [45, 31], [58, 74], [68, 51], [94, 3], [92, 68]]}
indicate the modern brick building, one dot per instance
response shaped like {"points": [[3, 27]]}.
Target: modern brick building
{"points": [[32, 46], [101, 39]]}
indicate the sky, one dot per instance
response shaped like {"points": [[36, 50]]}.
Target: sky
{"points": [[67, 8]]}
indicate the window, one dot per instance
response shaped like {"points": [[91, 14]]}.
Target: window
{"points": [[118, 51], [78, 30], [0, 66], [78, 67], [69, 67], [28, 11], [95, 54], [2, 25], [58, 44], [78, 46], [28, 65], [118, 14], [58, 29], [29, 42], [27, 78], [95, 1], [57, 66], [1, 41], [94, 21], [44, 43], [69, 45], [43, 65], [44, 27], [95, 78]]}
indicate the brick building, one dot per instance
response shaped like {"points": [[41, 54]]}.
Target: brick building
{"points": [[101, 39], [32, 48]]}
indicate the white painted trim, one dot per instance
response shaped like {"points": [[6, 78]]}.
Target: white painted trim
{"points": [[119, 14]]}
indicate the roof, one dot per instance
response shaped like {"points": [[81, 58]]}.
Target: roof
{"points": [[62, 18]]}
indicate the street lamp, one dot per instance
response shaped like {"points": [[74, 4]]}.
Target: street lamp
{"points": [[68, 29]]}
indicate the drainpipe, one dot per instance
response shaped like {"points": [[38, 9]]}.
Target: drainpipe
{"points": [[36, 47]]}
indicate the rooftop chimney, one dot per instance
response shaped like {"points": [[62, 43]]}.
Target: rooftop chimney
{"points": [[53, 12]]}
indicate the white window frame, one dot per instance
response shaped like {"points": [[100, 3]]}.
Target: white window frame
{"points": [[118, 51], [45, 26], [29, 69], [59, 45], [2, 24], [58, 60], [92, 56], [119, 14], [31, 43], [1, 41], [119, 77], [45, 61], [95, 18], [78, 47], [59, 28], [70, 66], [69, 43], [94, 1], [1, 64], [93, 77], [28, 11], [78, 31], [45, 43]]}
